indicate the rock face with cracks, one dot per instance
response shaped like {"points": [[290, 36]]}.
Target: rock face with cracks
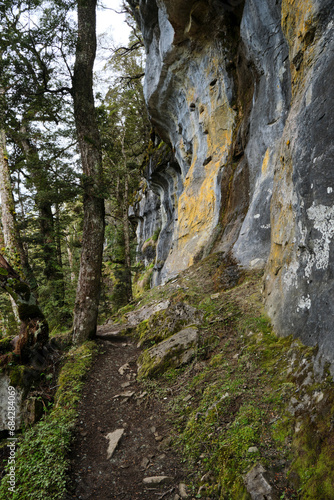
{"points": [[241, 90]]}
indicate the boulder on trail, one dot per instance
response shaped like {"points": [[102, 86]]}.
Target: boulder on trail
{"points": [[173, 352]]}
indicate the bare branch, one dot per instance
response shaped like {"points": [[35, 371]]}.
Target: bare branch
{"points": [[127, 50], [128, 79]]}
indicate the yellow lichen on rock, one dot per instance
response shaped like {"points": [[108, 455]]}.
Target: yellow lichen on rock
{"points": [[265, 162], [197, 205], [299, 26], [282, 223]]}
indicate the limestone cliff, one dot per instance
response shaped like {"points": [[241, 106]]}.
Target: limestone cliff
{"points": [[241, 90]]}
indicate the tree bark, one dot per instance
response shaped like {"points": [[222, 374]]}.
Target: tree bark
{"points": [[7, 211], [12, 241], [70, 258], [88, 290], [126, 232]]}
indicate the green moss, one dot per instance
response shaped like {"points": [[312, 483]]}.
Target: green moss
{"points": [[17, 375], [142, 329], [217, 360], [147, 365], [70, 379], [126, 309], [142, 281], [155, 235], [152, 366], [158, 327], [6, 345]]}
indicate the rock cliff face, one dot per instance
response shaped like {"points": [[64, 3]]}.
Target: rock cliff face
{"points": [[242, 91]]}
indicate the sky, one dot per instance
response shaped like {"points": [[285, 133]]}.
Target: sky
{"points": [[108, 21], [111, 31]]}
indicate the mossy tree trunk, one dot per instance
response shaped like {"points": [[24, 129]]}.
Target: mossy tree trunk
{"points": [[7, 209], [34, 327], [88, 289], [126, 232], [12, 241]]}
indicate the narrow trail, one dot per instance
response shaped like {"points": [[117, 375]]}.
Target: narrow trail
{"points": [[112, 399]]}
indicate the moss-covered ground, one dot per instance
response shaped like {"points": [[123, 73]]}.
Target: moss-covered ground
{"points": [[248, 397]]}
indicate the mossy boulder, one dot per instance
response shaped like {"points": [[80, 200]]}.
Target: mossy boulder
{"points": [[133, 318], [163, 324], [171, 353]]}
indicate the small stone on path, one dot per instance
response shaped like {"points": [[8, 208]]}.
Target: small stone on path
{"points": [[144, 463], [183, 490], [157, 480], [123, 368], [114, 438], [126, 394]]}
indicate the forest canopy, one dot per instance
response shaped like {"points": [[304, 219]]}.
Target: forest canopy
{"points": [[67, 149]]}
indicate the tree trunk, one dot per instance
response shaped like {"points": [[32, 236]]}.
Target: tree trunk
{"points": [[70, 258], [34, 327], [61, 282], [12, 241], [126, 232], [52, 271], [7, 204], [7, 212], [88, 290]]}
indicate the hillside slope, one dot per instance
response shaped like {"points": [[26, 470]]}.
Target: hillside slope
{"points": [[247, 411]]}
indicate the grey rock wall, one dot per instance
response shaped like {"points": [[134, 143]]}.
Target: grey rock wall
{"points": [[267, 50], [242, 91], [300, 270]]}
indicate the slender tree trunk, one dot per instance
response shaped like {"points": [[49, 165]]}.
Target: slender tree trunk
{"points": [[12, 241], [7, 203], [70, 258], [61, 281], [126, 225], [7, 211], [126, 232], [88, 290]]}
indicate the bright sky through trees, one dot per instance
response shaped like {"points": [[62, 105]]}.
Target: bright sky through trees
{"points": [[108, 21], [112, 31]]}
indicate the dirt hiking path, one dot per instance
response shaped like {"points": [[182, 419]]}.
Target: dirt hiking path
{"points": [[111, 400]]}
